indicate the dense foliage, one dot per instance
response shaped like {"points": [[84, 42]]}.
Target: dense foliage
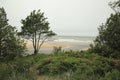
{"points": [[10, 44], [108, 40], [36, 28], [107, 43], [63, 66]]}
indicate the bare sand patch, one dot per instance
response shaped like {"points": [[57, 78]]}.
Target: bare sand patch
{"points": [[48, 45]]}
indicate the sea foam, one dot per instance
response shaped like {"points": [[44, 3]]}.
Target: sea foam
{"points": [[73, 40]]}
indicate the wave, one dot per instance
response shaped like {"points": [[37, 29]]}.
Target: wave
{"points": [[73, 40]]}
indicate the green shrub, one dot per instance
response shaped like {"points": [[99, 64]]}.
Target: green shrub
{"points": [[85, 72], [5, 70], [57, 50], [17, 70], [56, 65], [67, 65], [112, 75]]}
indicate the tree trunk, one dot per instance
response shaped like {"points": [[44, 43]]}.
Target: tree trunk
{"points": [[0, 49], [35, 51]]}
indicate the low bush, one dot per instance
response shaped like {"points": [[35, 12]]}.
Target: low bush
{"points": [[112, 75], [68, 65], [75, 62], [16, 70], [57, 66]]}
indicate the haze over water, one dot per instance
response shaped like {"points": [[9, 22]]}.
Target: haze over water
{"points": [[70, 18], [66, 17]]}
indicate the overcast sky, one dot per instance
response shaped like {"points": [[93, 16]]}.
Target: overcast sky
{"points": [[66, 17]]}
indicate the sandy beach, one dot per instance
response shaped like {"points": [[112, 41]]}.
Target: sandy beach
{"points": [[48, 46]]}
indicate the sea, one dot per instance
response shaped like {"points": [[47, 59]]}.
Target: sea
{"points": [[77, 43], [79, 39]]}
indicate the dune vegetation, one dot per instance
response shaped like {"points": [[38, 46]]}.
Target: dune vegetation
{"points": [[67, 65]]}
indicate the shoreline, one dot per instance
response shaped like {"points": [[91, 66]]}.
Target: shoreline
{"points": [[48, 46]]}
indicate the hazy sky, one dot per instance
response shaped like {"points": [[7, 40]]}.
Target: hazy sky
{"points": [[66, 17]]}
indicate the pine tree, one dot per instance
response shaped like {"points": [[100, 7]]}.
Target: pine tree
{"points": [[36, 27], [107, 43], [10, 44]]}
